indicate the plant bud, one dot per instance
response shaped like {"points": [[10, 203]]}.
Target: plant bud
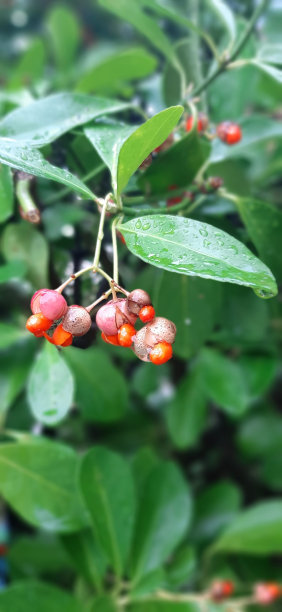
{"points": [[160, 330], [113, 315], [77, 321], [136, 300], [52, 304], [140, 346]]}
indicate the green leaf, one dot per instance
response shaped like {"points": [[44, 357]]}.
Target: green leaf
{"points": [[6, 193], [37, 478], [86, 556], [271, 53], [50, 386], [30, 67], [64, 32], [273, 72], [259, 372], [224, 382], [216, 507], [37, 555], [15, 363], [163, 518], [99, 401], [176, 166], [104, 603], [186, 413], [30, 160], [45, 120], [133, 13], [149, 583], [107, 487], [195, 312], [111, 72], [264, 225], [172, 81], [29, 595], [164, 606], [181, 567], [23, 243], [260, 435], [258, 531], [226, 16], [14, 270], [190, 247], [9, 334]]}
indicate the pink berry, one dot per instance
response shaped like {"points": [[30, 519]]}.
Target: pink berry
{"points": [[34, 304], [53, 305], [113, 315]]}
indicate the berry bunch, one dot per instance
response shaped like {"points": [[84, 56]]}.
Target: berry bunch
{"points": [[264, 593], [52, 314], [116, 320], [228, 131]]}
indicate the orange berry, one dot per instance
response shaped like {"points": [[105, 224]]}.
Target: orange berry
{"points": [[49, 338], [229, 132], [37, 324], [221, 589], [110, 339], [126, 334], [161, 353], [61, 337], [147, 313], [266, 592]]}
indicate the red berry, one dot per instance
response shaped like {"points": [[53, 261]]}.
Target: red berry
{"points": [[37, 324], [202, 123], [266, 592], [229, 132], [110, 339], [52, 304], [126, 334], [61, 337], [221, 589], [147, 313], [176, 200], [161, 353]]}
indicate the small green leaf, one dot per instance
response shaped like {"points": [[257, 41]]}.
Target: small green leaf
{"points": [[271, 53], [23, 243], [181, 567], [273, 72], [50, 386], [86, 556], [28, 595], [104, 603], [45, 120], [216, 507], [226, 16], [12, 271], [190, 247], [107, 487], [15, 364], [176, 166], [258, 531], [9, 334], [186, 413], [264, 225], [30, 67], [64, 32], [224, 382], [37, 478], [110, 73], [6, 193], [99, 401], [163, 518]]}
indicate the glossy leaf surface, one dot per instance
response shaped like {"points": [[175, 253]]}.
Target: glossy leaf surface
{"points": [[186, 413], [6, 193], [25, 596]]}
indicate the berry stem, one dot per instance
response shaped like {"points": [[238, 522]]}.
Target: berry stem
{"points": [[27, 204], [115, 249], [164, 211], [100, 235], [100, 299]]}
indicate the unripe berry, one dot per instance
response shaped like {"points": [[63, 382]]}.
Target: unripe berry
{"points": [[160, 330], [126, 334], [34, 304], [52, 304], [229, 132], [77, 321], [110, 339], [266, 592], [161, 353], [136, 300], [147, 313], [37, 324], [221, 589], [202, 123], [140, 346], [61, 337], [113, 315]]}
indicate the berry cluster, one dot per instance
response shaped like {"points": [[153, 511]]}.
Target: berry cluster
{"points": [[228, 131], [59, 323], [117, 318], [264, 593]]}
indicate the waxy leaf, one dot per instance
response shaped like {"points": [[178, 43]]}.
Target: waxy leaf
{"points": [[271, 53], [50, 386], [123, 148], [226, 16], [64, 32], [6, 193], [224, 382], [258, 531], [107, 487], [9, 334], [42, 121], [190, 247], [25, 158], [186, 413], [163, 518], [28, 595], [23, 243], [37, 478]]}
